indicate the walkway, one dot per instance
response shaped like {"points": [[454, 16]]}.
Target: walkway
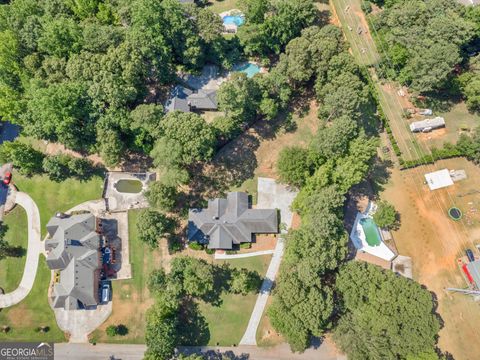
{"points": [[270, 196], [241, 256], [323, 351], [33, 252]]}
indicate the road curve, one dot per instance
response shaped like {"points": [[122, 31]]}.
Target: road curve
{"points": [[33, 252]]}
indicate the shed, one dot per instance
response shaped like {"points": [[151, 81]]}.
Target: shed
{"points": [[474, 270], [428, 124], [438, 179]]}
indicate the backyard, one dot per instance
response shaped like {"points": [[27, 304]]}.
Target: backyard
{"points": [[34, 310], [220, 6], [435, 242]]}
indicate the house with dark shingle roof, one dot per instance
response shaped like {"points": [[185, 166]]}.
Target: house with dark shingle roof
{"points": [[229, 221], [73, 248], [186, 100]]}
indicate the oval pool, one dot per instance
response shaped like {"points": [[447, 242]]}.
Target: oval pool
{"points": [[130, 186], [248, 68], [233, 20]]}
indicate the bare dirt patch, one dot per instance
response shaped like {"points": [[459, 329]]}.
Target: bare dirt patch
{"points": [[435, 242]]}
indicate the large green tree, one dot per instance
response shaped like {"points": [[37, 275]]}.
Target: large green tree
{"points": [[151, 226], [386, 316]]}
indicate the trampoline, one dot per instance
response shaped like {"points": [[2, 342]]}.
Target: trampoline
{"points": [[455, 213]]}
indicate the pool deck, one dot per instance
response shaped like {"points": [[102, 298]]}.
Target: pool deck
{"points": [[121, 201], [359, 240]]}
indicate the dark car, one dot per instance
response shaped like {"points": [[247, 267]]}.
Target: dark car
{"points": [[470, 255], [7, 178]]}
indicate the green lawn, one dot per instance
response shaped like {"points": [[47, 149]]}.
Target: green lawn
{"points": [[51, 196], [34, 310], [220, 6], [11, 267], [131, 298], [228, 322]]}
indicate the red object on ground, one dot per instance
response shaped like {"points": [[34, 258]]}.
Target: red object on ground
{"points": [[7, 178], [465, 270]]}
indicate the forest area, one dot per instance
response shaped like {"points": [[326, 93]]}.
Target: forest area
{"points": [[93, 75]]}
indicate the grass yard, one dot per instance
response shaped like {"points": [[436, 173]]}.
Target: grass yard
{"points": [[228, 322], [51, 196], [435, 242], [220, 6], [34, 310], [131, 298], [11, 268]]}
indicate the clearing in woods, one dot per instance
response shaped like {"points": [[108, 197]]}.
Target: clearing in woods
{"points": [[435, 242]]}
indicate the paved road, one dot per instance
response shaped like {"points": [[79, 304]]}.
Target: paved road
{"points": [[34, 249], [323, 351], [241, 256]]}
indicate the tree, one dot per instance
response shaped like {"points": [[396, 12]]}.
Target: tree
{"points": [[161, 331], [56, 167], [298, 311], [195, 137], [24, 157], [161, 196], [239, 98], [111, 330], [195, 275], [146, 125], [373, 326], [332, 141], [209, 24], [386, 216], [295, 165], [151, 226], [254, 10], [61, 37], [244, 281], [471, 91]]}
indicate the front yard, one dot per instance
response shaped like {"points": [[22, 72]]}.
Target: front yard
{"points": [[34, 311]]}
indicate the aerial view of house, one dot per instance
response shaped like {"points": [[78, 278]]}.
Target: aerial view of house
{"points": [[239, 179]]}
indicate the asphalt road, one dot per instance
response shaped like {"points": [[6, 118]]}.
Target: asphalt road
{"points": [[69, 351]]}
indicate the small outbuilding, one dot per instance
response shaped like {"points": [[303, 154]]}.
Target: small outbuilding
{"points": [[428, 124], [474, 271], [438, 179]]}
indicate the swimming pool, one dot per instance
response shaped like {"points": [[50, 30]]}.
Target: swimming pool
{"points": [[248, 68], [130, 186], [371, 231], [233, 20]]}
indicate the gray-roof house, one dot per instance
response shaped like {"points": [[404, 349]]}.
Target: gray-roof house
{"points": [[229, 221], [185, 100], [178, 99], [73, 247], [203, 100]]}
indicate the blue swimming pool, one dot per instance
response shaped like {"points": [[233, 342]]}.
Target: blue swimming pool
{"points": [[248, 68], [233, 20]]}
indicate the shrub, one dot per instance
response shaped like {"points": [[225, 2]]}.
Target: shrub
{"points": [[122, 330], [111, 330], [195, 246], [245, 245], [210, 251]]}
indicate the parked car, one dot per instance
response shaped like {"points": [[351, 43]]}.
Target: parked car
{"points": [[105, 293], [7, 178], [470, 255]]}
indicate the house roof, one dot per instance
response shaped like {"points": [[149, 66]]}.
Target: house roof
{"points": [[178, 99], [73, 248], [432, 123], [474, 270], [204, 99], [229, 221], [438, 179]]}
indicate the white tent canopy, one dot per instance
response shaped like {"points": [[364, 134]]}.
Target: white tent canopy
{"points": [[438, 179]]}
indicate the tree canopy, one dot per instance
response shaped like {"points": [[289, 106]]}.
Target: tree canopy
{"points": [[386, 316]]}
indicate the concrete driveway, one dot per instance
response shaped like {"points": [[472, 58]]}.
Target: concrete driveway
{"points": [[35, 247], [80, 323], [270, 195]]}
